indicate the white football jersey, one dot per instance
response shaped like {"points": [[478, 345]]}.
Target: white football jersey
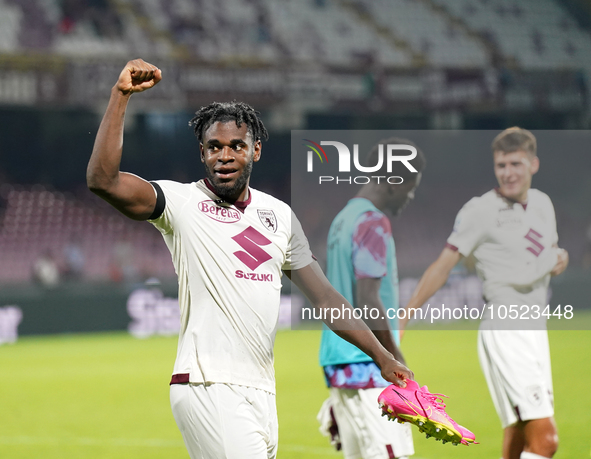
{"points": [[229, 262], [513, 244]]}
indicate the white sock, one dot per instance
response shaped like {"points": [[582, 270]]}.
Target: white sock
{"points": [[525, 455]]}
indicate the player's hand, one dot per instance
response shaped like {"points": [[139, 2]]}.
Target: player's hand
{"points": [[396, 372], [137, 76], [561, 264]]}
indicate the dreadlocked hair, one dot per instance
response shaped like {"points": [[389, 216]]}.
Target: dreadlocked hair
{"points": [[239, 112]]}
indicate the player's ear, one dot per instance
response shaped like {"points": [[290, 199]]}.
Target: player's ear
{"points": [[258, 146], [201, 152], [535, 165]]}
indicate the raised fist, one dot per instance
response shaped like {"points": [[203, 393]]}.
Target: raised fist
{"points": [[137, 76]]}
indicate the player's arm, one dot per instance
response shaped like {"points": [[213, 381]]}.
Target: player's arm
{"points": [[368, 294], [561, 263], [314, 284], [128, 193], [432, 280]]}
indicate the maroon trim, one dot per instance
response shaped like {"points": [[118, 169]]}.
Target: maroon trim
{"points": [[208, 185], [517, 413], [390, 452], [180, 378], [240, 205], [334, 430], [498, 190], [451, 247]]}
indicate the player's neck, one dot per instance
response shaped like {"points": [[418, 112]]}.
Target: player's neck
{"points": [[521, 199], [366, 193], [242, 196]]}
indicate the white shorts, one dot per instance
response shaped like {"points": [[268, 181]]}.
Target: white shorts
{"points": [[225, 421], [516, 366], [363, 432]]}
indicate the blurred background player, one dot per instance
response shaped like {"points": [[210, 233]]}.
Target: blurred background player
{"points": [[361, 265], [46, 271], [223, 385], [511, 231]]}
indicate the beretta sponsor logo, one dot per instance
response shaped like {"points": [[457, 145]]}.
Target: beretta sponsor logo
{"points": [[219, 213]]}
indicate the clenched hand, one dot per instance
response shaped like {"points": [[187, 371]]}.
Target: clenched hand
{"points": [[137, 76]]}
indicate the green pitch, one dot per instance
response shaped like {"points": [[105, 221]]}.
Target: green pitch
{"points": [[106, 395]]}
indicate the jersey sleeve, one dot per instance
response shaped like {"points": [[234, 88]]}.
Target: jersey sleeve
{"points": [[469, 228], [370, 245], [298, 253], [169, 199], [553, 217]]}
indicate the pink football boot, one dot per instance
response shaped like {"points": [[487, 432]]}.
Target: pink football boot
{"points": [[468, 438], [422, 408]]}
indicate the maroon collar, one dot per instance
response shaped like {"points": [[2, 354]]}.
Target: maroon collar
{"points": [[240, 205], [498, 190]]}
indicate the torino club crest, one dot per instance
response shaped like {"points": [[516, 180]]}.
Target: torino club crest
{"points": [[268, 219]]}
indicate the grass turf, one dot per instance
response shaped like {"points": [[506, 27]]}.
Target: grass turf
{"points": [[106, 395]]}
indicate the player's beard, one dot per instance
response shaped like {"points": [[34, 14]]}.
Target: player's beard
{"points": [[226, 190]]}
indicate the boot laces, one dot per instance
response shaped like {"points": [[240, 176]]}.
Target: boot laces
{"points": [[435, 400]]}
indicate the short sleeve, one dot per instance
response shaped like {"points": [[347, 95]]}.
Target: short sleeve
{"points": [[370, 245], [469, 228], [174, 199], [298, 253]]}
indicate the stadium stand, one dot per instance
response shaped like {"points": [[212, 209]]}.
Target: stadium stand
{"points": [[533, 34], [440, 41], [536, 34], [37, 220], [10, 25], [332, 34]]}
